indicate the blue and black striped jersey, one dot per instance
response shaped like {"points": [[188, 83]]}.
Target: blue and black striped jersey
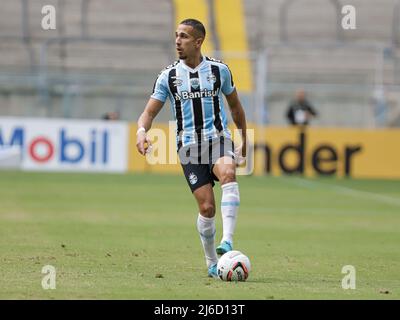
{"points": [[196, 100]]}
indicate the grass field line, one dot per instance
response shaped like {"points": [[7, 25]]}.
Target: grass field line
{"points": [[345, 190]]}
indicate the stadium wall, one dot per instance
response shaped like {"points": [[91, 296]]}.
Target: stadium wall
{"points": [[109, 146]]}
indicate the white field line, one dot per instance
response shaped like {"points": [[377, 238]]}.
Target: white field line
{"points": [[345, 190]]}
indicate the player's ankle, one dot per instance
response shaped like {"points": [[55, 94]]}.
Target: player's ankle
{"points": [[229, 240]]}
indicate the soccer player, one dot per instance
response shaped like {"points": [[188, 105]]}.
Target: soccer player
{"points": [[194, 85]]}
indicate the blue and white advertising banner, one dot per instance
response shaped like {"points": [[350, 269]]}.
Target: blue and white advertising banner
{"points": [[66, 145]]}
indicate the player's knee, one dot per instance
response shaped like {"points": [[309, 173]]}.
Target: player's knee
{"points": [[228, 176], [207, 209]]}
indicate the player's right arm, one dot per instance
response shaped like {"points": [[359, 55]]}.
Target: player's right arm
{"points": [[153, 107], [145, 120]]}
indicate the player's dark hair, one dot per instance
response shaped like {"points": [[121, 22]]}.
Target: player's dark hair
{"points": [[196, 24]]}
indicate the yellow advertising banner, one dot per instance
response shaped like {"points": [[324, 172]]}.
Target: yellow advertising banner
{"points": [[357, 153], [163, 158]]}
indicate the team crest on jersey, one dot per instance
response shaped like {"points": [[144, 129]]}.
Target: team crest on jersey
{"points": [[192, 178], [195, 83], [211, 78]]}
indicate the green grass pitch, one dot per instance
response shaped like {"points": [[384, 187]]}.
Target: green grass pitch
{"points": [[132, 236]]}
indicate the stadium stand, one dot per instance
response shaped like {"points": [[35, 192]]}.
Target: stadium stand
{"points": [[105, 56], [99, 58], [341, 69]]}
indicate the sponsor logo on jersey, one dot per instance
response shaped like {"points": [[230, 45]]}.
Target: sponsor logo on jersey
{"points": [[184, 95]]}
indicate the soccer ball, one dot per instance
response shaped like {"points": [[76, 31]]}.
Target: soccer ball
{"points": [[233, 266]]}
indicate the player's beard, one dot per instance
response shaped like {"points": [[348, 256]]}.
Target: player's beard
{"points": [[182, 56]]}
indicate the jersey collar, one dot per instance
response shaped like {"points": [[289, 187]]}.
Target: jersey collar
{"points": [[201, 64]]}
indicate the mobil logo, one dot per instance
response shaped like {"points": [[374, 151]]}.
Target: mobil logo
{"points": [[62, 145], [71, 148]]}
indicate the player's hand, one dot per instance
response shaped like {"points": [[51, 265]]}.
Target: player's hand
{"points": [[143, 143], [240, 154]]}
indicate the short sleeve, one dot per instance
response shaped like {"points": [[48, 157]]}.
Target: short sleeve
{"points": [[227, 81], [160, 88]]}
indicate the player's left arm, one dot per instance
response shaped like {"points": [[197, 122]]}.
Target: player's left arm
{"points": [[239, 118]]}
